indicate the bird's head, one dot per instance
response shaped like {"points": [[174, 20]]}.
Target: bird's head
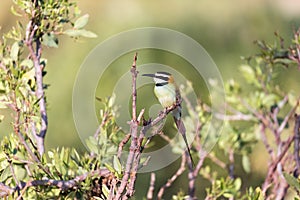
{"points": [[161, 78]]}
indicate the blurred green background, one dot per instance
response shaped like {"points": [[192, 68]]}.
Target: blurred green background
{"points": [[226, 29]]}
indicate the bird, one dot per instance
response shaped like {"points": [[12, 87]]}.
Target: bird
{"points": [[168, 94]]}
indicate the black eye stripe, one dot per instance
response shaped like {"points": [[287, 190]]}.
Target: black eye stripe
{"points": [[161, 84], [162, 78], [165, 73]]}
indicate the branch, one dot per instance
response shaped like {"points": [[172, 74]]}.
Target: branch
{"points": [[133, 133], [272, 168], [296, 144], [35, 54], [151, 187], [134, 73], [173, 178], [288, 116], [62, 184], [5, 190], [122, 143]]}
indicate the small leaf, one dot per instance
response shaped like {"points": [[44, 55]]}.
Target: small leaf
{"points": [[237, 184], [111, 100], [14, 51], [13, 11], [292, 181], [81, 32], [117, 165], [81, 21], [5, 174], [248, 73], [105, 190], [110, 168], [50, 40], [91, 143], [246, 163], [27, 63], [228, 195], [3, 105]]}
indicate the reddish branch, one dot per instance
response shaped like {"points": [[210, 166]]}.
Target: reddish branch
{"points": [[135, 149], [296, 144], [35, 54], [173, 178], [151, 187], [133, 134]]}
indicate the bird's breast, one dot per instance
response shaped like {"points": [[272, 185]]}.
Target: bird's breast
{"points": [[166, 95]]}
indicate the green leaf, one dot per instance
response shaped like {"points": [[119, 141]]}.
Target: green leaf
{"points": [[5, 174], [228, 195], [81, 21], [105, 190], [117, 165], [246, 163], [27, 63], [78, 33], [91, 143], [248, 73], [110, 168], [14, 51], [3, 105], [237, 184], [50, 40], [292, 181], [111, 100], [13, 11]]}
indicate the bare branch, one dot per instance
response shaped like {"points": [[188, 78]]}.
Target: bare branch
{"points": [[133, 133], [5, 190], [173, 178], [151, 187], [288, 116], [296, 144], [134, 73], [122, 143], [35, 54]]}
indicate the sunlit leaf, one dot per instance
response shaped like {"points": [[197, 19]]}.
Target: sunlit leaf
{"points": [[81, 32], [14, 51], [292, 181], [248, 73], [50, 40], [13, 11], [81, 21], [117, 165], [246, 163], [27, 63]]}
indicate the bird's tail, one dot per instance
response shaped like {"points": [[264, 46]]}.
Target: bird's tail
{"points": [[181, 129]]}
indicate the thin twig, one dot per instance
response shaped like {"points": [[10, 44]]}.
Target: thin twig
{"points": [[173, 178], [265, 141], [134, 73], [273, 166], [296, 144], [193, 173], [288, 116], [151, 187], [122, 143]]}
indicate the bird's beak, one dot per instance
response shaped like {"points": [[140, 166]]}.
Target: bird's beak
{"points": [[149, 75]]}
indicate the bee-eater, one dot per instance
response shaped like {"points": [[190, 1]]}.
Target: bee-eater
{"points": [[168, 95]]}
